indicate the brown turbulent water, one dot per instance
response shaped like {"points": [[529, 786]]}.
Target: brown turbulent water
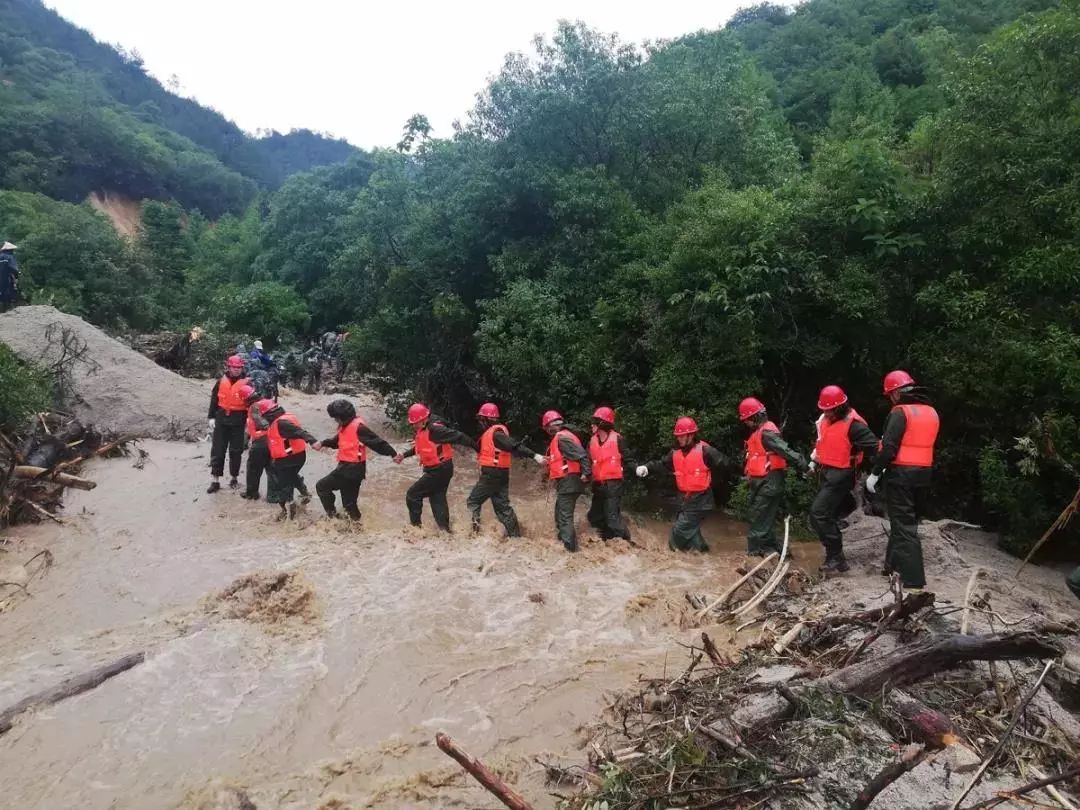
{"points": [[326, 685]]}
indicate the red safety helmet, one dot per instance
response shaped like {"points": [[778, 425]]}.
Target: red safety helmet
{"points": [[549, 417], [236, 361], [245, 392], [489, 410], [897, 379], [604, 414], [831, 396], [684, 426], [265, 405], [750, 407], [418, 412]]}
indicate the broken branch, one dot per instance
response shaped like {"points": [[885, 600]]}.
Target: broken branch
{"points": [[482, 774]]}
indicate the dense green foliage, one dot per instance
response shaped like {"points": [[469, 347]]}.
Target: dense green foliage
{"points": [[79, 116], [805, 197], [24, 391]]}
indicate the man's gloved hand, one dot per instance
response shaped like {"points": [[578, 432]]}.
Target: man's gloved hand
{"points": [[811, 467], [871, 483], [399, 458], [813, 454], [642, 471], [211, 424], [539, 459]]}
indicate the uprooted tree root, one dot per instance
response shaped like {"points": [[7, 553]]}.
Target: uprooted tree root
{"points": [[812, 714]]}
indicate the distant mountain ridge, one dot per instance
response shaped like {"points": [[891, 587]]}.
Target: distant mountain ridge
{"points": [[79, 116]]}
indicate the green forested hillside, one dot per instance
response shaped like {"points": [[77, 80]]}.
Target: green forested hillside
{"points": [[80, 117], [801, 198]]}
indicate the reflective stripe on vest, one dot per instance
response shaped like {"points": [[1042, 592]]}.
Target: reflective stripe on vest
{"points": [[759, 461], [920, 433], [228, 394], [349, 447], [558, 467], [833, 448], [252, 429], [490, 455], [606, 458], [430, 453], [692, 474], [280, 447]]}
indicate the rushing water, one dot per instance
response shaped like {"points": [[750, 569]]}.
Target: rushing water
{"points": [[508, 646]]}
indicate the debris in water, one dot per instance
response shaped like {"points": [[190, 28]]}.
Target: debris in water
{"points": [[538, 598], [279, 600], [218, 796]]}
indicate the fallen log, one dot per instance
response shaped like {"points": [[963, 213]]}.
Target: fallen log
{"points": [[912, 756], [25, 471], [912, 604], [70, 687], [482, 774], [902, 666], [925, 724]]}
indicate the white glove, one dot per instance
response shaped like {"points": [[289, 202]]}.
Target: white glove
{"points": [[813, 454], [210, 425], [810, 469], [642, 471], [539, 459], [871, 483]]}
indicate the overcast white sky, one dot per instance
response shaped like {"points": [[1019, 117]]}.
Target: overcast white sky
{"points": [[353, 68]]}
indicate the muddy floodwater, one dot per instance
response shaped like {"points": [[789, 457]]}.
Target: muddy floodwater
{"points": [[311, 665]]}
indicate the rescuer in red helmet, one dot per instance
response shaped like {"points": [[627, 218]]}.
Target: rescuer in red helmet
{"points": [[609, 456], [767, 457], [226, 419], [692, 462], [569, 466], [843, 439], [287, 442], [433, 447], [497, 449], [906, 460]]}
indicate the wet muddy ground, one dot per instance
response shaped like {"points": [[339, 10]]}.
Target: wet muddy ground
{"points": [[310, 663]]}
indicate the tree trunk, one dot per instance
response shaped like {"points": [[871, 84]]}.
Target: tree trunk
{"points": [[484, 775]]}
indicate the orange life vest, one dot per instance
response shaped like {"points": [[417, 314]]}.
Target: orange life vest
{"points": [[833, 448], [558, 467], [606, 458], [349, 447], [759, 461], [280, 447], [692, 474], [920, 433], [228, 394], [430, 453], [253, 430], [490, 455]]}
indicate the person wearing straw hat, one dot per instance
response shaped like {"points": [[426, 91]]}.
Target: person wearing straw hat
{"points": [[9, 276]]}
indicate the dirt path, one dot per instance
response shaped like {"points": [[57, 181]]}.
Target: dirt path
{"points": [[329, 683]]}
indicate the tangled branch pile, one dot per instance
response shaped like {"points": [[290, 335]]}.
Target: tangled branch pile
{"points": [[896, 706], [37, 466]]}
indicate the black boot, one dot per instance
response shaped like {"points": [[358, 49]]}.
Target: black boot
{"points": [[234, 484], [214, 487], [835, 565]]}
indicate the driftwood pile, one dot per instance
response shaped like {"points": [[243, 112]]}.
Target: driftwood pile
{"points": [[36, 467], [830, 709]]}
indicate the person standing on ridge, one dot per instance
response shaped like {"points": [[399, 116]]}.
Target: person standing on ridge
{"points": [[842, 441], [767, 456], [496, 452], [226, 419], [259, 355], [906, 460], [9, 277], [287, 442], [692, 462], [352, 442], [608, 454], [433, 448], [570, 467]]}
